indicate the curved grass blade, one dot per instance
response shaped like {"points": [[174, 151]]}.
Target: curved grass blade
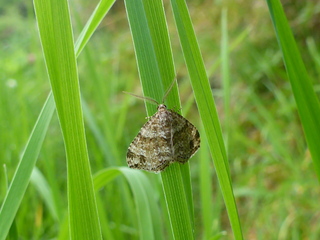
{"points": [[147, 211], [22, 175], [306, 99], [207, 109], [45, 192], [96, 17]]}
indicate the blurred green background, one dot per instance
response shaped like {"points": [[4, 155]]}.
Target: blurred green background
{"points": [[276, 189]]}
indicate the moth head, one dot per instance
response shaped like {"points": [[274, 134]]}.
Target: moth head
{"points": [[162, 107]]}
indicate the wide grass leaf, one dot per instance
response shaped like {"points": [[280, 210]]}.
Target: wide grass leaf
{"points": [[156, 69], [57, 42], [21, 178]]}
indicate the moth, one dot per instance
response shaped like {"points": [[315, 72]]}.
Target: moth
{"points": [[165, 138]]}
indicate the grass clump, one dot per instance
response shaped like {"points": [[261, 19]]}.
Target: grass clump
{"points": [[267, 158]]}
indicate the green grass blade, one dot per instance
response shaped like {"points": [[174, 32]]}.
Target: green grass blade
{"points": [[306, 99], [159, 34], [57, 42], [206, 108], [313, 50], [225, 75], [96, 131], [28, 160], [177, 202], [148, 69], [148, 215], [161, 43], [44, 190], [154, 57], [99, 13], [206, 191], [105, 176], [22, 175], [136, 179]]}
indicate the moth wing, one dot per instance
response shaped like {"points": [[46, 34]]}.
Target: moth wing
{"points": [[186, 138], [150, 150]]}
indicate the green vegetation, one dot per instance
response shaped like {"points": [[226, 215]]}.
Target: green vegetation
{"points": [[264, 182]]}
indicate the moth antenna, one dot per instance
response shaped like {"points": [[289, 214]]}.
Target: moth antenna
{"points": [[143, 98], [168, 90]]}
